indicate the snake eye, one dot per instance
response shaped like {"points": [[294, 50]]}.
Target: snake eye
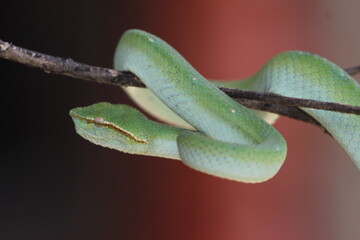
{"points": [[99, 120]]}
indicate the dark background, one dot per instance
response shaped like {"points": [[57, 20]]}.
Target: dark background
{"points": [[55, 185]]}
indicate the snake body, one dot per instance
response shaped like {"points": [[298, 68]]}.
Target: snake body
{"points": [[229, 141]]}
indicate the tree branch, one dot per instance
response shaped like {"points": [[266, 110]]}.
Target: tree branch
{"points": [[286, 106], [67, 67]]}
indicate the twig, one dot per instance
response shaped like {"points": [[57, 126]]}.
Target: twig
{"points": [[290, 101], [353, 70], [286, 106]]}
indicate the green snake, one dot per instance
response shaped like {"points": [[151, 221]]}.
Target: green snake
{"points": [[227, 139]]}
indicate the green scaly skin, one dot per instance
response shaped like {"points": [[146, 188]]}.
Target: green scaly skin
{"points": [[229, 141]]}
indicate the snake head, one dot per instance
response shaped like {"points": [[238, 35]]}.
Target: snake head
{"points": [[112, 126]]}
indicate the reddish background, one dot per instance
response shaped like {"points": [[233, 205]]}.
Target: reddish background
{"points": [[55, 185]]}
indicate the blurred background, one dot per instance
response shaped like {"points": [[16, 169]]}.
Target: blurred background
{"points": [[55, 185]]}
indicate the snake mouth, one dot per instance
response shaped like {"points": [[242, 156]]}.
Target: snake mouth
{"points": [[86, 134]]}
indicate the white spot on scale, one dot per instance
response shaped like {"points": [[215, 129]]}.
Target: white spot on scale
{"points": [[150, 39], [232, 110], [194, 78]]}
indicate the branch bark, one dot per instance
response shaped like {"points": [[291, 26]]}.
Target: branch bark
{"points": [[285, 106]]}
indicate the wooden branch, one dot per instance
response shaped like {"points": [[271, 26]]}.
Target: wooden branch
{"points": [[67, 67], [290, 101], [286, 106], [353, 70]]}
